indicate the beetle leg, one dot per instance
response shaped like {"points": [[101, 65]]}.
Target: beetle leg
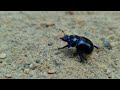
{"points": [[96, 47], [75, 54], [81, 57], [64, 47]]}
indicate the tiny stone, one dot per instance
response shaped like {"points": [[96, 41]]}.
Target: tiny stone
{"points": [[32, 66], [51, 71], [50, 44], [26, 55], [26, 71], [0, 61], [37, 61], [2, 55], [45, 74], [109, 77], [26, 65], [86, 33], [106, 44], [114, 43], [48, 24], [108, 71], [8, 76]]}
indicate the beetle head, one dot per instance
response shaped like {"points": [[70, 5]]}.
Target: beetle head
{"points": [[65, 38]]}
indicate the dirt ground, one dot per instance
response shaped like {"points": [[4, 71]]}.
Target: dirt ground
{"points": [[29, 42]]}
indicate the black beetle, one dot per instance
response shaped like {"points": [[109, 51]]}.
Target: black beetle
{"points": [[82, 44]]}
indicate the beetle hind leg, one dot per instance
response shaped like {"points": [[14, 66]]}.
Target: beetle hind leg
{"points": [[81, 57]]}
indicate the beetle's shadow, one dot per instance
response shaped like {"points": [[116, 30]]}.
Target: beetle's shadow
{"points": [[71, 53]]}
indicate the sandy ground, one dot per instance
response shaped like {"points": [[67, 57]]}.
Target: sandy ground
{"points": [[29, 42]]}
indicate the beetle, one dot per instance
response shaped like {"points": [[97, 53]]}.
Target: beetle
{"points": [[83, 45]]}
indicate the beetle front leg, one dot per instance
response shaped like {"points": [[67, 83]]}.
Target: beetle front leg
{"points": [[64, 47]]}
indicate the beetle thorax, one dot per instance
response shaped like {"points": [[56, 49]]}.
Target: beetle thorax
{"points": [[72, 42]]}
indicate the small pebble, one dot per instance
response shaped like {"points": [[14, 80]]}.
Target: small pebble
{"points": [[1, 61], [50, 44], [41, 61], [8, 76], [26, 55], [26, 65], [26, 71], [37, 61], [2, 55], [106, 43], [32, 66], [107, 71], [115, 43], [45, 74], [51, 71], [86, 33], [48, 24]]}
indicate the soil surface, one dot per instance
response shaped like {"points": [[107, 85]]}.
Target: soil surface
{"points": [[29, 42]]}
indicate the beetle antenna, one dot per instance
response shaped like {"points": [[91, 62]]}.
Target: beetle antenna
{"points": [[63, 32]]}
